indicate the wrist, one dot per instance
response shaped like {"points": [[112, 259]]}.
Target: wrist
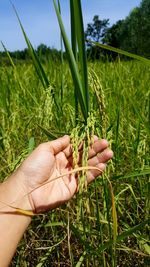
{"points": [[13, 193]]}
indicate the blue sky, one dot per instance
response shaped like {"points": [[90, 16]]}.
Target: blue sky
{"points": [[40, 23]]}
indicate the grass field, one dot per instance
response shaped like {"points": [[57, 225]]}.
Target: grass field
{"points": [[120, 104]]}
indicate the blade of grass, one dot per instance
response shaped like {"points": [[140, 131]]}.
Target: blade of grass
{"points": [[38, 67], [62, 59], [124, 235], [114, 215], [51, 135], [133, 174], [79, 28], [73, 30], [81, 259], [74, 49], [120, 237], [73, 65], [8, 55], [120, 51], [31, 145]]}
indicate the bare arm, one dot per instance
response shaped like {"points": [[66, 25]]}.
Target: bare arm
{"points": [[12, 225]]}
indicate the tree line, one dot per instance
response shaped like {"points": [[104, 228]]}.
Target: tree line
{"points": [[131, 34], [44, 52]]}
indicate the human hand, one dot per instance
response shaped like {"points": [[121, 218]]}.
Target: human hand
{"points": [[50, 160]]}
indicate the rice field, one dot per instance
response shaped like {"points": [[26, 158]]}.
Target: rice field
{"points": [[119, 101], [108, 223]]}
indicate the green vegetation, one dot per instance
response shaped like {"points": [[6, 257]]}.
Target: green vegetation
{"points": [[108, 224], [29, 116], [132, 33]]}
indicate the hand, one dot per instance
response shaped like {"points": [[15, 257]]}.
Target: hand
{"points": [[50, 160], [25, 188]]}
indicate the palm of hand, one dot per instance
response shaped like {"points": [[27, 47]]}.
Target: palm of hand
{"points": [[47, 162], [40, 168]]}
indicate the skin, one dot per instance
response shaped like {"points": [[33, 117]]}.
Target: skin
{"points": [[45, 163]]}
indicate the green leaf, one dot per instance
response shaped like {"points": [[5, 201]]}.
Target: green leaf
{"points": [[124, 235], [133, 174], [38, 67], [120, 51], [51, 224], [31, 144], [73, 65], [79, 28], [51, 134], [81, 259], [144, 245], [75, 52]]}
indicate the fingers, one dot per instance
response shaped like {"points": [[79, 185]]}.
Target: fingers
{"points": [[94, 173], [99, 161], [96, 154], [98, 147], [68, 151], [57, 145], [103, 157]]}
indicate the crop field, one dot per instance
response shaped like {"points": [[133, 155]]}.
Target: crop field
{"points": [[31, 114], [106, 224]]}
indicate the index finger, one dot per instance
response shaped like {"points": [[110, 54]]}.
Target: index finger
{"points": [[59, 144]]}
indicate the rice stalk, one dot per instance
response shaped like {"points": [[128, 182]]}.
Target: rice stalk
{"points": [[96, 86], [45, 113], [16, 76]]}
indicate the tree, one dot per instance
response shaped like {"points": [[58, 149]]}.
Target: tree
{"points": [[42, 49], [113, 34], [133, 33], [145, 27], [95, 32]]}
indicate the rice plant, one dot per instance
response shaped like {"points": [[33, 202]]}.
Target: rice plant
{"points": [[108, 224]]}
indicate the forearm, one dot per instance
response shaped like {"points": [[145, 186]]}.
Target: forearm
{"points": [[12, 225]]}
